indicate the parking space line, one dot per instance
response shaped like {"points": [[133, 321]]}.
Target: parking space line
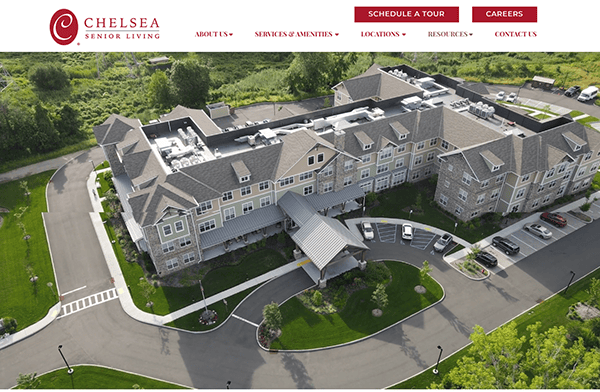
{"points": [[523, 242], [536, 237], [565, 233], [573, 227]]}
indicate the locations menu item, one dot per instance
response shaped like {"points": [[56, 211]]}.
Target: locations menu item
{"points": [[406, 14], [505, 14]]}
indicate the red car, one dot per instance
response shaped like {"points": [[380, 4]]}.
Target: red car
{"points": [[554, 219]]}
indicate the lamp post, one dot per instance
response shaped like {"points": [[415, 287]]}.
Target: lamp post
{"points": [[70, 371], [572, 276], [228, 384], [455, 224], [435, 371], [93, 167], [409, 214]]}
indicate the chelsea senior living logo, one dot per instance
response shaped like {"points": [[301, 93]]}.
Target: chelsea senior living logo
{"points": [[64, 28]]}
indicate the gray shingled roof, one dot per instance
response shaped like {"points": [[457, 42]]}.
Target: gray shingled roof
{"points": [[206, 125], [148, 205], [295, 146], [240, 169]]}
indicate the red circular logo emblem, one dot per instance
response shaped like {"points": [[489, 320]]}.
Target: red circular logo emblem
{"points": [[63, 27]]}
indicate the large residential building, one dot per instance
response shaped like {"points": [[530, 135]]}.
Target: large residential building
{"points": [[192, 190]]}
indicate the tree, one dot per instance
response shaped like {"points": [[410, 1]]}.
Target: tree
{"points": [[380, 297], [594, 292], [308, 72], [49, 77], [147, 291], [425, 270], [45, 137], [159, 90], [69, 122], [272, 316], [317, 298], [10, 325], [27, 381], [191, 82]]}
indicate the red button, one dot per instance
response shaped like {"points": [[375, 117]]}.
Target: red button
{"points": [[406, 14], [505, 14]]}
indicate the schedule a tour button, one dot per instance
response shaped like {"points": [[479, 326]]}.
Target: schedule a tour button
{"points": [[505, 14]]}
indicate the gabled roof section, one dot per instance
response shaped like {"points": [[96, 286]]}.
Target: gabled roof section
{"points": [[206, 125], [575, 142], [148, 205], [493, 162], [240, 169], [463, 132], [114, 129], [383, 142], [555, 156], [295, 146]]}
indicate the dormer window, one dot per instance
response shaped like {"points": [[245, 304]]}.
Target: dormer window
{"points": [[367, 147], [402, 136], [577, 148], [495, 168], [244, 178]]}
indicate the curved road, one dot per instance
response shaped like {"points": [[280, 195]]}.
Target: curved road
{"points": [[105, 335]]}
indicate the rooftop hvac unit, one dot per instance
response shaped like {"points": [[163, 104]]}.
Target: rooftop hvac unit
{"points": [[218, 153], [175, 164], [252, 140], [185, 162]]}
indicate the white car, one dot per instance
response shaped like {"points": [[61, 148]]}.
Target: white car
{"points": [[539, 230], [512, 98], [367, 230], [407, 232], [442, 243], [500, 96]]}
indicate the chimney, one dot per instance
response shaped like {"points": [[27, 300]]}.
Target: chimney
{"points": [[339, 139]]}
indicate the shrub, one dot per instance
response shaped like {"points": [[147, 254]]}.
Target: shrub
{"points": [[585, 206], [10, 325], [371, 198], [272, 316], [317, 298]]}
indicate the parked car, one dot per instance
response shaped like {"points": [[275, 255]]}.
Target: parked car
{"points": [[588, 94], [573, 91], [512, 98], [367, 230], [509, 247], [442, 243], [500, 96], [554, 219], [407, 232], [486, 259], [539, 230]]}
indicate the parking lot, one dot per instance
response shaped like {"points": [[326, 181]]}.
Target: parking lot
{"points": [[530, 243], [388, 232]]}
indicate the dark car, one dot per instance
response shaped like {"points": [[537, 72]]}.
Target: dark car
{"points": [[572, 91], [509, 247], [554, 219], [487, 259]]}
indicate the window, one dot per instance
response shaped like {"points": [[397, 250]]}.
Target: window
{"points": [[227, 196], [585, 183], [366, 187], [185, 241], [576, 187], [402, 136], [446, 183], [420, 146], [229, 213], [546, 199], [189, 257], [244, 178], [286, 181], [167, 230], [328, 171], [327, 187], [386, 153], [367, 147], [562, 168], [581, 172], [430, 156], [552, 184], [307, 190], [265, 201], [525, 178], [450, 167], [495, 194], [203, 207], [567, 175], [443, 200], [485, 183], [499, 178], [311, 160], [401, 148], [515, 208], [433, 142], [178, 226], [348, 165], [418, 160], [320, 157], [263, 185], [173, 263], [398, 178], [481, 199], [168, 247], [206, 226], [561, 190], [594, 168], [577, 147], [347, 180], [458, 210], [382, 183], [495, 168], [550, 173], [246, 190], [427, 171], [247, 207], [306, 176], [466, 178], [444, 144], [365, 173], [399, 162], [366, 158], [588, 156], [462, 195], [520, 193], [415, 175], [541, 188], [383, 168], [535, 203], [474, 214]]}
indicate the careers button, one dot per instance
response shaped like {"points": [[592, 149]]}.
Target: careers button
{"points": [[505, 14]]}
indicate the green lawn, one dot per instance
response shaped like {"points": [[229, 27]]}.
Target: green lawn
{"points": [[169, 299], [587, 120], [96, 377], [304, 329], [392, 203], [190, 321], [19, 298], [103, 165], [549, 313], [575, 113], [542, 116]]}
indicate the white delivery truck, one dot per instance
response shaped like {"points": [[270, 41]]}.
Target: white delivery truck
{"points": [[587, 94]]}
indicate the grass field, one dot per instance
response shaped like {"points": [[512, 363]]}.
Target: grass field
{"points": [[96, 377], [19, 298], [304, 329], [549, 313]]}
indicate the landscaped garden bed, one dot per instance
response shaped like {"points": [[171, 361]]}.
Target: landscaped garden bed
{"points": [[309, 327]]}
